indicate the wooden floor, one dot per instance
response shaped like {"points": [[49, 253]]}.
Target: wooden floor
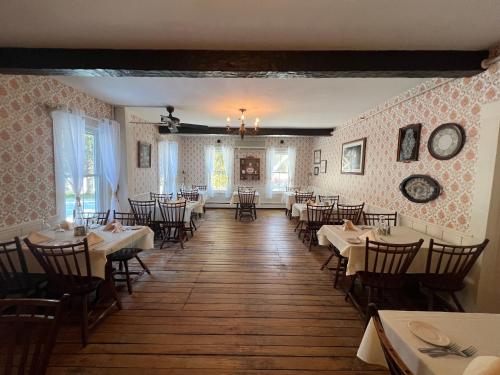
{"points": [[241, 298]]}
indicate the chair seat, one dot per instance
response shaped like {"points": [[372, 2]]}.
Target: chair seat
{"points": [[124, 254], [441, 282], [29, 282], [74, 289], [383, 281]]}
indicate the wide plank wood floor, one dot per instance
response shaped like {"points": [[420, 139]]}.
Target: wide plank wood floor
{"points": [[241, 298]]}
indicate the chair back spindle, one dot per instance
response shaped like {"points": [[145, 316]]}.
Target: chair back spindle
{"points": [[144, 211], [13, 268], [374, 218]]}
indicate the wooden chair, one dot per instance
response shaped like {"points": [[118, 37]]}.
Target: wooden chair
{"points": [[68, 271], [394, 361], [124, 255], [332, 199], [172, 226], [192, 196], [385, 267], [29, 329], [301, 198], [246, 204], [15, 280], [292, 189], [374, 218], [317, 216], [145, 213], [100, 218], [161, 197], [199, 187], [446, 268]]}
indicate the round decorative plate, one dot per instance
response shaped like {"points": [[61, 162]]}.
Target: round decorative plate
{"points": [[428, 333], [420, 188], [446, 141]]}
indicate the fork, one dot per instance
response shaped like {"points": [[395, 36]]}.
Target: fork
{"points": [[466, 353], [451, 346]]}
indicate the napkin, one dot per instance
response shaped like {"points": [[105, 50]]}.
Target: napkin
{"points": [[66, 225], [93, 239], [118, 227], [36, 237], [348, 225], [483, 365], [109, 226], [372, 236]]}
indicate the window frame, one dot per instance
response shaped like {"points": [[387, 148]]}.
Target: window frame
{"points": [[281, 152]]}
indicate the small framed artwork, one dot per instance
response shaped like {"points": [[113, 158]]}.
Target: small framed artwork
{"points": [[143, 154], [322, 166], [353, 157], [249, 169], [317, 156], [316, 171], [409, 143]]}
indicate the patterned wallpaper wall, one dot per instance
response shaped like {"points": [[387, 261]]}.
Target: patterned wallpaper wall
{"points": [[432, 103], [141, 180], [191, 150], [27, 185]]}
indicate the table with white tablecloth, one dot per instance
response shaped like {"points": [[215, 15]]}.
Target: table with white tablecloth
{"points": [[236, 199], [141, 237], [465, 329], [338, 237], [288, 198]]}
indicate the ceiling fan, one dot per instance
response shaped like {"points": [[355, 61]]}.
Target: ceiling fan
{"points": [[172, 123]]}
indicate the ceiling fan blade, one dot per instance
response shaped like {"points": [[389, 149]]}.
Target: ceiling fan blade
{"points": [[146, 123], [192, 126]]}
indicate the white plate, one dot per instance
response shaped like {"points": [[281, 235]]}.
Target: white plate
{"points": [[354, 240], [428, 333]]}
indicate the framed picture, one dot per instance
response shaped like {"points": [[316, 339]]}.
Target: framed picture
{"points": [[250, 169], [409, 142], [143, 154], [322, 166], [353, 157], [317, 156], [316, 171]]}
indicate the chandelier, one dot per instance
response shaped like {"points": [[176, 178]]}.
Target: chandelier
{"points": [[241, 130]]}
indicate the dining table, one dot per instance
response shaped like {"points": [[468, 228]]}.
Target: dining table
{"points": [[355, 252], [235, 198], [140, 237], [464, 329]]}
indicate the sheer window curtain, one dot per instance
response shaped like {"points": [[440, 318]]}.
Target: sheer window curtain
{"points": [[292, 156], [269, 171], [228, 157], [69, 156], [209, 168], [108, 136], [168, 160]]}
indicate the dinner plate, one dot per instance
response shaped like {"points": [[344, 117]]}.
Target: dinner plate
{"points": [[428, 333], [354, 240]]}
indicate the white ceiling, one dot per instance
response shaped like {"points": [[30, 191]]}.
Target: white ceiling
{"points": [[251, 24], [298, 102]]}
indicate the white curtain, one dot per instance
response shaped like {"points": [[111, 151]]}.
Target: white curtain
{"points": [[228, 157], [69, 155], [108, 136], [168, 160], [269, 171], [209, 168], [292, 156]]}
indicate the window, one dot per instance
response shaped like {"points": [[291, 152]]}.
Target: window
{"points": [[280, 170], [219, 176], [91, 181]]}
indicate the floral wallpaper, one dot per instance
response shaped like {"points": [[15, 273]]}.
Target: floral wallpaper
{"points": [[27, 185], [192, 157], [432, 103], [141, 180]]}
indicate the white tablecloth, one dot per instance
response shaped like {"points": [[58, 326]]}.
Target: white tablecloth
{"points": [[299, 210], [335, 235], [288, 198], [480, 330], [142, 238], [236, 199]]}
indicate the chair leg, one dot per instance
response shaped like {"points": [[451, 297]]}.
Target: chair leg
{"points": [[310, 238], [236, 211], [85, 320], [143, 265], [325, 263], [127, 275], [457, 302], [193, 224], [255, 210]]}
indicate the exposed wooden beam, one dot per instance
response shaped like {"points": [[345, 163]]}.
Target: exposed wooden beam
{"points": [[280, 64], [317, 132]]}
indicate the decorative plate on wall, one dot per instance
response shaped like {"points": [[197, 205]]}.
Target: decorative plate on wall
{"points": [[446, 141], [420, 188]]}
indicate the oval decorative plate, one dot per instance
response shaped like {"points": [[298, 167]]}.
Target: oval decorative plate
{"points": [[446, 141], [428, 333], [420, 188]]}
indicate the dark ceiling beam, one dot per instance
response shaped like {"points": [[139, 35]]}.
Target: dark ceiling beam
{"points": [[227, 64], [318, 132]]}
